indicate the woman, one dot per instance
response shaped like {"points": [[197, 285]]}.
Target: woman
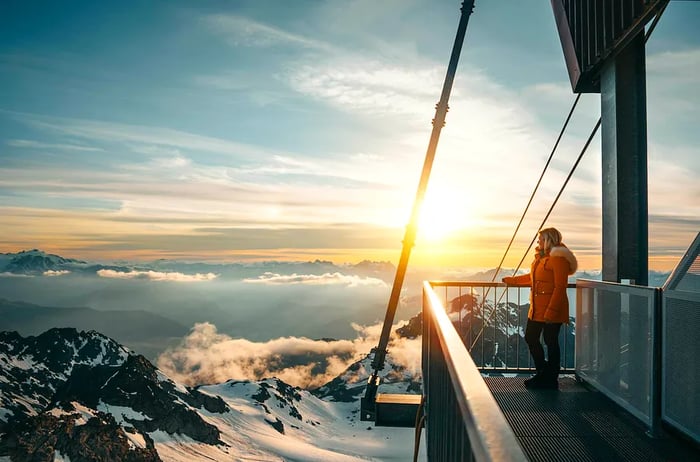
{"points": [[549, 304]]}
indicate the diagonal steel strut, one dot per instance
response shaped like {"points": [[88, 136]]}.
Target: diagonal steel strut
{"points": [[410, 235]]}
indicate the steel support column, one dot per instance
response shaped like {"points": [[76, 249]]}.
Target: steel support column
{"points": [[624, 162]]}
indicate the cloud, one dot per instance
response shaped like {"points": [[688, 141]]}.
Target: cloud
{"points": [[206, 356], [156, 275], [316, 279], [361, 84], [154, 138], [174, 162], [13, 275], [39, 145], [678, 67], [241, 31], [56, 273]]}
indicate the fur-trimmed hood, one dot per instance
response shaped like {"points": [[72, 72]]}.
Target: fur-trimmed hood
{"points": [[563, 251]]}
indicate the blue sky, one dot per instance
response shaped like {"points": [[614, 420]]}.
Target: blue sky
{"points": [[297, 130]]}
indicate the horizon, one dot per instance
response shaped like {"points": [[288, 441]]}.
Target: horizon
{"points": [[221, 261], [247, 132]]}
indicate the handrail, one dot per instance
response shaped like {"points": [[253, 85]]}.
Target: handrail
{"points": [[502, 323], [490, 437], [570, 285]]}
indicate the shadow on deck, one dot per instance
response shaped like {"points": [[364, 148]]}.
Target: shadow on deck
{"points": [[577, 423]]}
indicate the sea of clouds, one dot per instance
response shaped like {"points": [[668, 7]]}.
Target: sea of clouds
{"points": [[303, 324]]}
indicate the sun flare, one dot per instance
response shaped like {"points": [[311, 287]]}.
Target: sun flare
{"points": [[442, 214]]}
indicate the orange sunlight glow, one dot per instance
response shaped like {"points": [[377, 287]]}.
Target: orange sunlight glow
{"points": [[442, 214]]}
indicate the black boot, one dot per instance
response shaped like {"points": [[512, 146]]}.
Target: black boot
{"points": [[534, 381], [549, 379]]}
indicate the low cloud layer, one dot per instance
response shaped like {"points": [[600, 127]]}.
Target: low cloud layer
{"points": [[56, 272], [316, 279], [15, 275], [206, 356], [156, 276]]}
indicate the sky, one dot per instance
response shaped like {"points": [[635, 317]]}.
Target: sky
{"points": [[274, 130]]}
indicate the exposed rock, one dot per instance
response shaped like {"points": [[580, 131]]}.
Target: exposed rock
{"points": [[277, 425], [136, 385], [100, 439]]}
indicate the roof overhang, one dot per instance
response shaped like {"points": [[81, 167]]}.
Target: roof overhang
{"points": [[593, 32]]}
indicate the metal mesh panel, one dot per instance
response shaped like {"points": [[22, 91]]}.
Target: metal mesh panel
{"points": [[615, 343], [681, 366], [686, 275], [690, 281]]}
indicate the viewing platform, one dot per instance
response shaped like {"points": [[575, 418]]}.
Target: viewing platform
{"points": [[629, 384], [578, 423]]}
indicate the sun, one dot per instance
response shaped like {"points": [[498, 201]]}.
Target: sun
{"points": [[442, 214]]}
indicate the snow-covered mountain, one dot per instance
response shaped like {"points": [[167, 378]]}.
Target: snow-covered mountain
{"points": [[37, 262], [69, 395], [349, 386]]}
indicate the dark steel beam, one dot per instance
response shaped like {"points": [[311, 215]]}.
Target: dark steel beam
{"points": [[624, 165]]}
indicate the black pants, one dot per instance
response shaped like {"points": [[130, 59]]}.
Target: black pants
{"points": [[551, 339]]}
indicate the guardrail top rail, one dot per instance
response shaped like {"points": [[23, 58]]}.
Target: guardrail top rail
{"points": [[490, 435]]}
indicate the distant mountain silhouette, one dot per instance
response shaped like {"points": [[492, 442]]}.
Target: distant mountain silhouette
{"points": [[142, 331], [37, 262]]}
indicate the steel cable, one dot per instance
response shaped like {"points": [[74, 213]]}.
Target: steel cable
{"points": [[648, 33]]}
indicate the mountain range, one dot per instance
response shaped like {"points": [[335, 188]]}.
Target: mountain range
{"points": [[157, 301], [139, 330], [76, 395], [36, 262]]}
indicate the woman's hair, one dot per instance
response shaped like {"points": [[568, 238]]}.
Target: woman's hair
{"points": [[551, 237]]}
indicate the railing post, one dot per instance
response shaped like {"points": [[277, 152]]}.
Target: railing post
{"points": [[655, 393]]}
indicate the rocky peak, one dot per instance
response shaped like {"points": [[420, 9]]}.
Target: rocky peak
{"points": [[36, 261], [32, 368], [136, 384]]}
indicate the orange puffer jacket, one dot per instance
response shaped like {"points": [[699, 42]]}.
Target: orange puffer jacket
{"points": [[548, 299]]}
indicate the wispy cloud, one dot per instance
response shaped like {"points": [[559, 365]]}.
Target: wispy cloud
{"points": [[357, 83], [672, 80], [242, 31], [683, 66], [156, 276], [13, 275], [316, 279], [30, 144], [156, 137]]}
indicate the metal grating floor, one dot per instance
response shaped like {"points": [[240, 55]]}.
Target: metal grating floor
{"points": [[576, 423]]}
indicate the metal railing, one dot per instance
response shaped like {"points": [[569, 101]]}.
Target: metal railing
{"points": [[618, 344], [462, 419], [680, 394], [490, 318]]}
